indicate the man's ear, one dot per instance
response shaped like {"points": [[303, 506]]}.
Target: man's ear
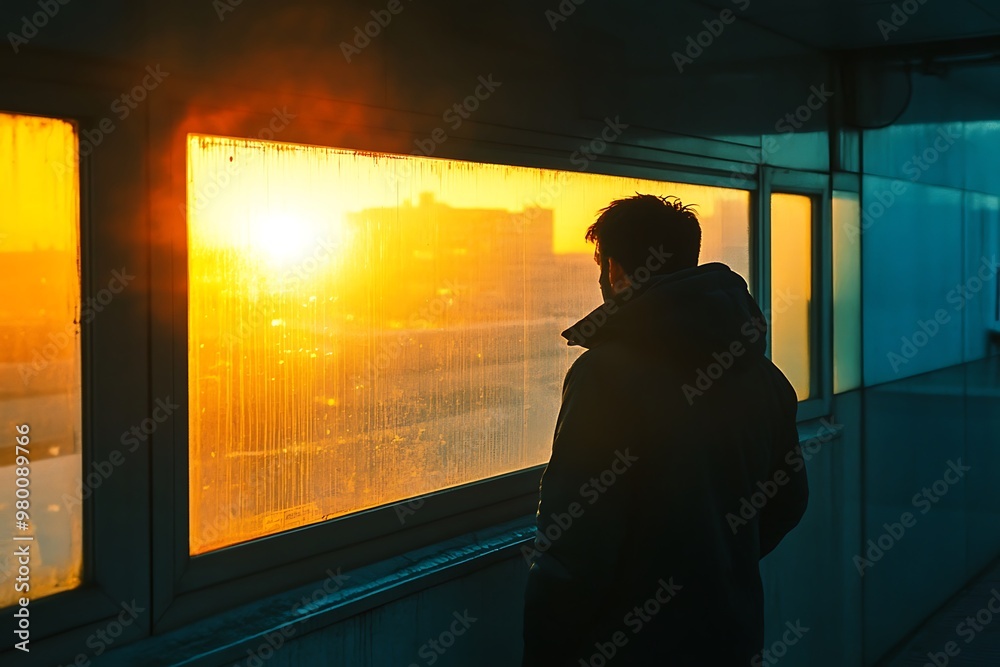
{"points": [[616, 274]]}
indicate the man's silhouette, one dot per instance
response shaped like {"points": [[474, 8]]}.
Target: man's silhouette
{"points": [[675, 465]]}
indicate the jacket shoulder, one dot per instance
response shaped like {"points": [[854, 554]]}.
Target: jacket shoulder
{"points": [[602, 359]]}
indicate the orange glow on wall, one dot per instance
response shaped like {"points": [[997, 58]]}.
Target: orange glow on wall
{"points": [[40, 351], [791, 288], [366, 328]]}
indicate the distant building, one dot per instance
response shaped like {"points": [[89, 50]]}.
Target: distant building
{"points": [[502, 260]]}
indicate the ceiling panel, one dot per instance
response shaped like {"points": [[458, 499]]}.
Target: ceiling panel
{"points": [[851, 24]]}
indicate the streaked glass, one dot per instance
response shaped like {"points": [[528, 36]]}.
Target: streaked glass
{"points": [[366, 328], [40, 316]]}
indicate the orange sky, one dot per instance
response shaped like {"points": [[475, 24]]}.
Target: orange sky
{"points": [[298, 193]]}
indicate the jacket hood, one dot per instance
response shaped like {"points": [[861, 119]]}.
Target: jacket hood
{"points": [[689, 315]]}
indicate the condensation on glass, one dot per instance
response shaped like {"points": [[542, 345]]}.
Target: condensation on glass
{"points": [[366, 328], [846, 291], [791, 288], [40, 354]]}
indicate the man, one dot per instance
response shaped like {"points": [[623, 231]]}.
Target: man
{"points": [[644, 552]]}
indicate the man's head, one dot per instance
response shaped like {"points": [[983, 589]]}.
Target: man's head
{"points": [[628, 230]]}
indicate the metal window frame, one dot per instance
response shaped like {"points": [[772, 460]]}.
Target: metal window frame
{"points": [[816, 186]]}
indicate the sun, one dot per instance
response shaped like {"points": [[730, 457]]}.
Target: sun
{"points": [[282, 237]]}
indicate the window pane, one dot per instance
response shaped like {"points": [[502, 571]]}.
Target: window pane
{"points": [[846, 291], [791, 287], [366, 328], [40, 354]]}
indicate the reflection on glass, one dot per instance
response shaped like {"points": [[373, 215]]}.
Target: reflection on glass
{"points": [[791, 287], [846, 291], [40, 354], [366, 328]]}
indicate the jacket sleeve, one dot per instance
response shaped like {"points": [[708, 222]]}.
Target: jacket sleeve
{"points": [[582, 514], [785, 509]]}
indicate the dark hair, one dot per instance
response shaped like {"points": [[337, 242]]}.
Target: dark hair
{"points": [[627, 228]]}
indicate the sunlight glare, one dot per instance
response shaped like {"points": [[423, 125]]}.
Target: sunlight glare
{"points": [[281, 237]]}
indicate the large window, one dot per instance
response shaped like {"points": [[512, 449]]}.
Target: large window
{"points": [[365, 328], [40, 402]]}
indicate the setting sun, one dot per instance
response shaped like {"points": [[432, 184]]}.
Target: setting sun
{"points": [[281, 237]]}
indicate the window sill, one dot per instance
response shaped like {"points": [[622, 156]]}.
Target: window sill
{"points": [[228, 637], [819, 430]]}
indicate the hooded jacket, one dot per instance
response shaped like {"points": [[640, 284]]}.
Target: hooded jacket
{"points": [[675, 467]]}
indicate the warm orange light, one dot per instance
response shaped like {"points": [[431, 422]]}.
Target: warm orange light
{"points": [[40, 351], [368, 328], [791, 287], [282, 237]]}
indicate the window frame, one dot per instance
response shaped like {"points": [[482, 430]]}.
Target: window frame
{"points": [[818, 187], [115, 341], [186, 588]]}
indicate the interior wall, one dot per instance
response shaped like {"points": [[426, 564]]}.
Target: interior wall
{"points": [[930, 289], [930, 249]]}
